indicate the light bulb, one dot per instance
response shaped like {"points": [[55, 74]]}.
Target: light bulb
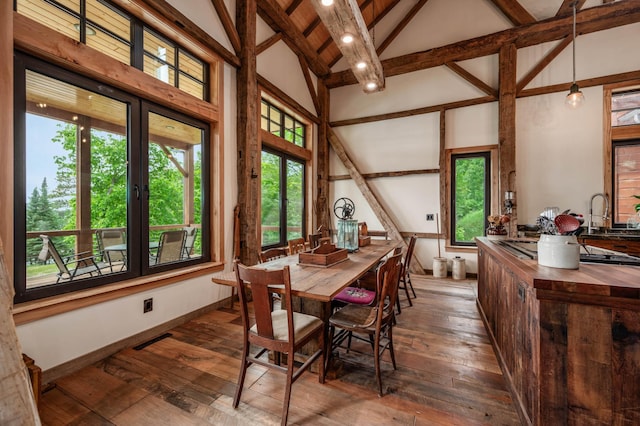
{"points": [[372, 85], [361, 65], [326, 2], [575, 98], [347, 38]]}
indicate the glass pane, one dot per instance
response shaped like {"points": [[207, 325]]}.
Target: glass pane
{"points": [[191, 86], [69, 163], [159, 70], [109, 19], [191, 66], [159, 48], [625, 109], [175, 193], [626, 178], [108, 45], [264, 109], [295, 199], [271, 194], [469, 193], [53, 17], [264, 124]]}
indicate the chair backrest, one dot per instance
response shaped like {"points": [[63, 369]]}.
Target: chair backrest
{"points": [[190, 239], [314, 240], [272, 253], [111, 237], [49, 250], [263, 283], [297, 245], [171, 246], [409, 255], [387, 282]]}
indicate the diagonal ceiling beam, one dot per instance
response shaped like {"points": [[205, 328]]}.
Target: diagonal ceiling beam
{"points": [[403, 23], [543, 63], [363, 186], [472, 79], [590, 20], [566, 8], [227, 24], [278, 20], [514, 11]]}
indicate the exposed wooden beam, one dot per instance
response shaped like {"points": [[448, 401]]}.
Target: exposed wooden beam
{"points": [[156, 10], [268, 43], [507, 126], [385, 220], [281, 144], [401, 25], [274, 16], [344, 17], [594, 19], [472, 79], [513, 10], [589, 82], [412, 112], [543, 63], [566, 8], [444, 180], [386, 174], [304, 67], [328, 41], [321, 206], [293, 6], [227, 23]]}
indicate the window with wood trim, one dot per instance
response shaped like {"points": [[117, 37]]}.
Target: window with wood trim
{"points": [[102, 26], [108, 186], [279, 122], [625, 157], [469, 194]]}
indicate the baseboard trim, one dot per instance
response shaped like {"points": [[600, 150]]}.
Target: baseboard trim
{"points": [[76, 364]]}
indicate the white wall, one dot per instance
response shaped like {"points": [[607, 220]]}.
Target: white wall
{"points": [[558, 151]]}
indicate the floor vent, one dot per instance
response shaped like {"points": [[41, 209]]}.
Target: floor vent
{"points": [[152, 341]]}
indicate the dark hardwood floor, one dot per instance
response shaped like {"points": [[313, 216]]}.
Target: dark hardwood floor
{"points": [[447, 375]]}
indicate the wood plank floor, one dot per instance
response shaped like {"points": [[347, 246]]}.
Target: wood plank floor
{"points": [[447, 375]]}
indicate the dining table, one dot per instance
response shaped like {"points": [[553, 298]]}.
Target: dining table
{"points": [[313, 287]]}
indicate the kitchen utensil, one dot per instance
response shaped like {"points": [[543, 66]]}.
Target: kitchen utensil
{"points": [[546, 225], [566, 223]]}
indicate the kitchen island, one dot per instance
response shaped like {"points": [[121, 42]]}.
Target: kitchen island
{"points": [[568, 341]]}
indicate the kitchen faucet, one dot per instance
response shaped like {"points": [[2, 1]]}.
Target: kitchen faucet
{"points": [[604, 215]]}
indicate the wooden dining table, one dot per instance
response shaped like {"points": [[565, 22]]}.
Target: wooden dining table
{"points": [[320, 283]]}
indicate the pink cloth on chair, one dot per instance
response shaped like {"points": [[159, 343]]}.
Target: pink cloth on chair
{"points": [[356, 295]]}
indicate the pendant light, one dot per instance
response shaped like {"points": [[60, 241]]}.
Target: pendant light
{"points": [[575, 98]]}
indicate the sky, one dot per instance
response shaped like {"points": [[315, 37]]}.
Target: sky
{"points": [[40, 152]]}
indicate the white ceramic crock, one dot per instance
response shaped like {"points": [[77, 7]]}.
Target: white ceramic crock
{"points": [[559, 251]]}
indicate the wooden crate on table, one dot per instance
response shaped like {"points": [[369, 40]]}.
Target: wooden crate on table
{"points": [[324, 255]]}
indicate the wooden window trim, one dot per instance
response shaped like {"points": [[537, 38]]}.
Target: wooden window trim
{"points": [[495, 199]]}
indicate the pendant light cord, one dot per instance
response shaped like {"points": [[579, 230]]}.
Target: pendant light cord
{"points": [[574, 42]]}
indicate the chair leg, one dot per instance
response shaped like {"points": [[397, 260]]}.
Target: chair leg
{"points": [[329, 354], [411, 285], [241, 376], [321, 362], [391, 352], [376, 362], [406, 290], [287, 392]]}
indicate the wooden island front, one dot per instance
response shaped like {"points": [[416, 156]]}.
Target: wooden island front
{"points": [[568, 341]]}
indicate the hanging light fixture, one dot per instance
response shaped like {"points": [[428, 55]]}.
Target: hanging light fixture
{"points": [[575, 98]]}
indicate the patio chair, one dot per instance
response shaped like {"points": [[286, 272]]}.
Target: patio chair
{"points": [[69, 267], [112, 238], [190, 239], [282, 331], [170, 247]]}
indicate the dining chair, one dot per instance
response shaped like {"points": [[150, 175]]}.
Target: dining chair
{"points": [[282, 330], [112, 237], [190, 240], [170, 247], [405, 278], [374, 322], [69, 267], [314, 240], [272, 254], [297, 245]]}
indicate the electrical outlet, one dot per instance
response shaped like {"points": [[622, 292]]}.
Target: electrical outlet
{"points": [[148, 306], [429, 216]]}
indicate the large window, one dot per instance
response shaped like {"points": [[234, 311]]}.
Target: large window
{"points": [[625, 157], [104, 27], [282, 199], [108, 186], [470, 196], [279, 122]]}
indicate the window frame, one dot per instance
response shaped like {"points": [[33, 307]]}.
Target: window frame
{"points": [[491, 187], [613, 137], [136, 134]]}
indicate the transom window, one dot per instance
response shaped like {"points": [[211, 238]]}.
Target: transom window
{"points": [[104, 27], [280, 123]]}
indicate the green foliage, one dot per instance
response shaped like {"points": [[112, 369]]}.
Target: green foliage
{"points": [[470, 198]]}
